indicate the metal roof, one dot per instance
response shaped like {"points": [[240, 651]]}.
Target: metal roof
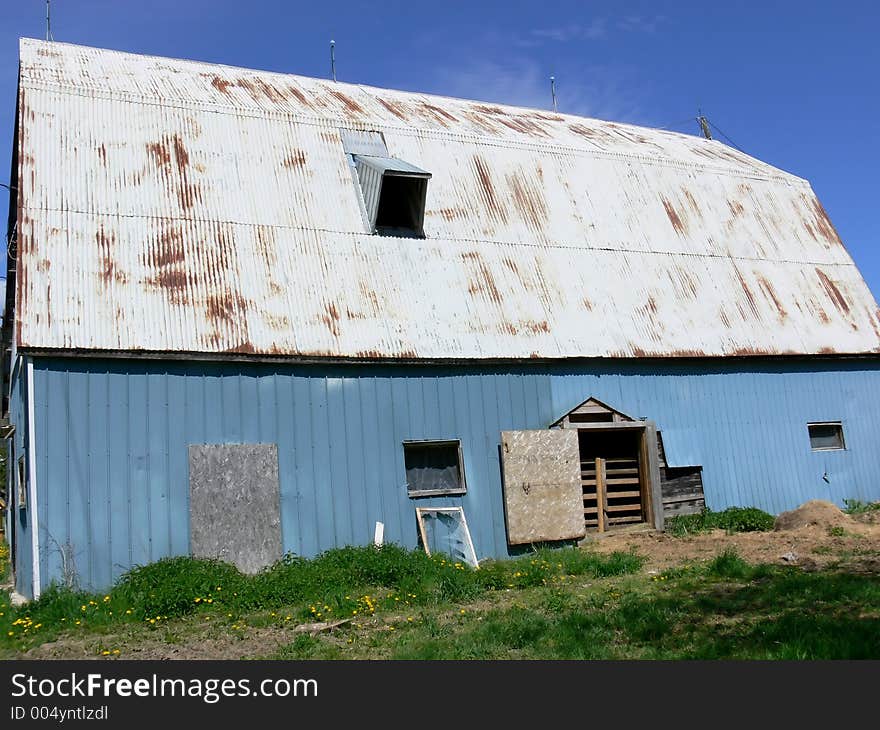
{"points": [[176, 206]]}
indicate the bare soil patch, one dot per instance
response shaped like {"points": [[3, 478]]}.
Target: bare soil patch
{"points": [[816, 535]]}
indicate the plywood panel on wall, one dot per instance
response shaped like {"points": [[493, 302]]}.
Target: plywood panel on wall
{"points": [[542, 486]]}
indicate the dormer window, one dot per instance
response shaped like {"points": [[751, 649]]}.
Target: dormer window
{"points": [[394, 195], [393, 191]]}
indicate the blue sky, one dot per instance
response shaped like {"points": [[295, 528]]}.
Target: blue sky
{"points": [[792, 83]]}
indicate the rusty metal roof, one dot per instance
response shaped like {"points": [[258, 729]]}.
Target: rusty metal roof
{"points": [[176, 206]]}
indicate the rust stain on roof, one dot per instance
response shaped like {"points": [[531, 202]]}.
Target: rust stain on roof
{"points": [[392, 107], [160, 153], [102, 153], [833, 292], [110, 272], [298, 95], [488, 109], [331, 318], [692, 201], [823, 223], [484, 179], [226, 308], [748, 293], [222, 85], [294, 159], [529, 200], [523, 125], [450, 214], [481, 280], [349, 103], [172, 149], [677, 221], [438, 113], [736, 208], [771, 292], [266, 246], [369, 295]]}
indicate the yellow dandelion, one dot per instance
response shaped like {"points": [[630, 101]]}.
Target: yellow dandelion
{"points": [[105, 653], [116, 651], [11, 633], [462, 611]]}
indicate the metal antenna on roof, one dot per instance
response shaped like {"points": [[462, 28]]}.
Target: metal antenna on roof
{"points": [[333, 60], [704, 124], [553, 91], [48, 21]]}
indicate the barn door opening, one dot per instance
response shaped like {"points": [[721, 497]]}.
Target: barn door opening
{"points": [[613, 478], [619, 466]]}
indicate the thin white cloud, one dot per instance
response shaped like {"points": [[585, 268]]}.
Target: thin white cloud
{"points": [[640, 23], [594, 30], [597, 29], [596, 91]]}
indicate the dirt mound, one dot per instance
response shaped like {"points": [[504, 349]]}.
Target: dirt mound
{"points": [[815, 513]]}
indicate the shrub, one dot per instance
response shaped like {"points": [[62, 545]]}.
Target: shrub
{"points": [[856, 506]]}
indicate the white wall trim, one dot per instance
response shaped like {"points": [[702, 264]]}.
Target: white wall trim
{"points": [[32, 479]]}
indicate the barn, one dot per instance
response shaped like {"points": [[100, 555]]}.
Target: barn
{"points": [[250, 313]]}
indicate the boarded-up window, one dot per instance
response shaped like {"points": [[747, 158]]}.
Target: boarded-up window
{"points": [[235, 511], [826, 436], [433, 467]]}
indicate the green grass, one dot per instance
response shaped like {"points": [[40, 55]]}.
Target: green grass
{"points": [[732, 519], [343, 583], [723, 609], [559, 604]]}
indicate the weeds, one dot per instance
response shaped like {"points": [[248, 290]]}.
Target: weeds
{"points": [[856, 506], [732, 519]]}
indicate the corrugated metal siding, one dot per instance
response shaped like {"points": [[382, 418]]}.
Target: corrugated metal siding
{"points": [[113, 437], [219, 202]]}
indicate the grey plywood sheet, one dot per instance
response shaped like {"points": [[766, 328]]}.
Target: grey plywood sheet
{"points": [[543, 497], [234, 504]]}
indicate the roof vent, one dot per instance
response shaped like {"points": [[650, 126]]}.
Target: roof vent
{"points": [[394, 195], [393, 192]]}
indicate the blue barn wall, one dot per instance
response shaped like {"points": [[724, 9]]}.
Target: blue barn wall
{"points": [[112, 439]]}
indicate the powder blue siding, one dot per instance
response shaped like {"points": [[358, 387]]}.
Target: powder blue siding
{"points": [[112, 441]]}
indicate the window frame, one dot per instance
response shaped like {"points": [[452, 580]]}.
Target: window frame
{"points": [[436, 443], [838, 424]]}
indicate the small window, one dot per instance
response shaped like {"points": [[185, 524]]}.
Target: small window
{"points": [[433, 467], [826, 436], [22, 482]]}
